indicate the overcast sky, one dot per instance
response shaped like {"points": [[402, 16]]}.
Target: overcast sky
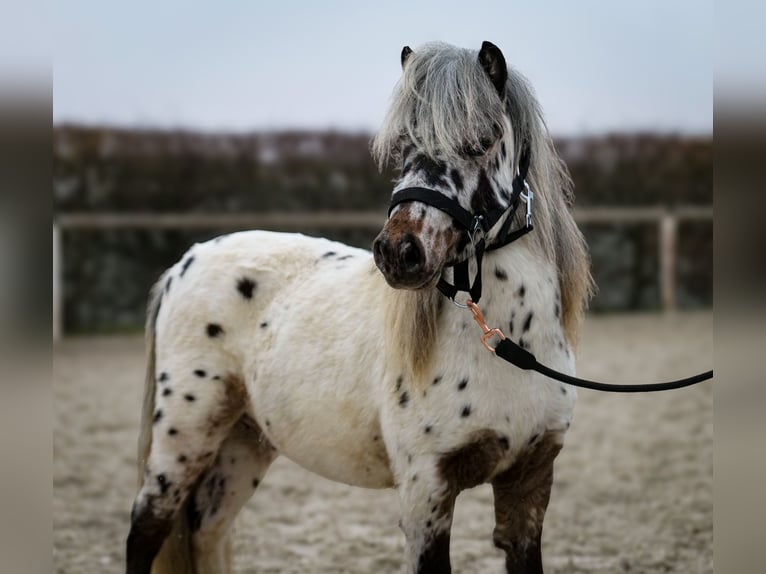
{"points": [[597, 65]]}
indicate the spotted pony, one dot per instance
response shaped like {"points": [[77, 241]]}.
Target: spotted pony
{"points": [[351, 363]]}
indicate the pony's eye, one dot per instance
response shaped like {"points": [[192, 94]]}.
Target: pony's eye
{"points": [[476, 151]]}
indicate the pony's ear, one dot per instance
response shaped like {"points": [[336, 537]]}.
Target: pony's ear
{"points": [[493, 62], [406, 51]]}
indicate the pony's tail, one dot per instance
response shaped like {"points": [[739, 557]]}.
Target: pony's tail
{"points": [[176, 555]]}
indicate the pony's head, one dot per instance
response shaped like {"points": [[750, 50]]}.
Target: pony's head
{"points": [[449, 128], [459, 122]]}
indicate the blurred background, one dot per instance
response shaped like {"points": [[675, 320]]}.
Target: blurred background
{"points": [[177, 122]]}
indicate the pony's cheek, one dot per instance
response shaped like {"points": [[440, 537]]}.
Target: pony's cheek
{"points": [[458, 248], [439, 247]]}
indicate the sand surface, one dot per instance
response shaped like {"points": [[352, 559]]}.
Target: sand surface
{"points": [[632, 492]]}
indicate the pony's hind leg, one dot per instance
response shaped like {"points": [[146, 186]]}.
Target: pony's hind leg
{"points": [[193, 413], [521, 497], [220, 493]]}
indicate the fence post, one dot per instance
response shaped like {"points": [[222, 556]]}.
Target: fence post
{"points": [[668, 227], [57, 311]]}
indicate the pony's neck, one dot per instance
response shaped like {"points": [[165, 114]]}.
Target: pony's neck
{"points": [[501, 173]]}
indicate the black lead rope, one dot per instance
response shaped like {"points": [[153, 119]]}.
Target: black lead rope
{"points": [[523, 359]]}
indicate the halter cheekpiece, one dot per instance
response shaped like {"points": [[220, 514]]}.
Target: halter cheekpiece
{"points": [[475, 223]]}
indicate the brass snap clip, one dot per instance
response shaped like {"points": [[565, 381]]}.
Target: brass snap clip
{"points": [[488, 333]]}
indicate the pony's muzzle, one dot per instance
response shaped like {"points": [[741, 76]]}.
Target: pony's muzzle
{"points": [[402, 260]]}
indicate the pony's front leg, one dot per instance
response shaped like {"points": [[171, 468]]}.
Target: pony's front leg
{"points": [[427, 502], [521, 497]]}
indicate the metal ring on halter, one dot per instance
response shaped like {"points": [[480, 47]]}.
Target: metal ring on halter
{"points": [[460, 305]]}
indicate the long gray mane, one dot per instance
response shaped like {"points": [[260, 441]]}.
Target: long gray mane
{"points": [[445, 103]]}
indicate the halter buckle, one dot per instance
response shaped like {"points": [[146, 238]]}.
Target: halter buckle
{"points": [[487, 332], [528, 197]]}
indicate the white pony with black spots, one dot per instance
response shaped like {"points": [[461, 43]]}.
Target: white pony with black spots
{"points": [[352, 364]]}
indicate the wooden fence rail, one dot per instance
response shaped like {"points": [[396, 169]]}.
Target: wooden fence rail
{"points": [[665, 219]]}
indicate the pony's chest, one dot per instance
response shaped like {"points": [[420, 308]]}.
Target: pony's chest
{"points": [[452, 405], [467, 390]]}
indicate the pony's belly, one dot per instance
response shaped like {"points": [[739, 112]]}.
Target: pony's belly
{"points": [[365, 466], [318, 371], [337, 439]]}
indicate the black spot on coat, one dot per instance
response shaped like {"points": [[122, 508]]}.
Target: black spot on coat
{"points": [[190, 397], [433, 171], [157, 416], [246, 286], [404, 399], [457, 180], [466, 411], [528, 322], [194, 515], [163, 377], [187, 264], [484, 198], [462, 384], [501, 274], [163, 482], [200, 373], [213, 330], [167, 391]]}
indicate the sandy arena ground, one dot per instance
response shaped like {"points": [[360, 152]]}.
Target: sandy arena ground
{"points": [[632, 492]]}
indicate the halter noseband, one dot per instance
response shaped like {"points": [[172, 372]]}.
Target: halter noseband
{"points": [[473, 223]]}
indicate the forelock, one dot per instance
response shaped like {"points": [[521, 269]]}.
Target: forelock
{"points": [[444, 102]]}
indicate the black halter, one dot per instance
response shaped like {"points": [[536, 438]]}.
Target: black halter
{"points": [[474, 223]]}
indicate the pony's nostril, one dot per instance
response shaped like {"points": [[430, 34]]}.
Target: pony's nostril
{"points": [[379, 249], [411, 254]]}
